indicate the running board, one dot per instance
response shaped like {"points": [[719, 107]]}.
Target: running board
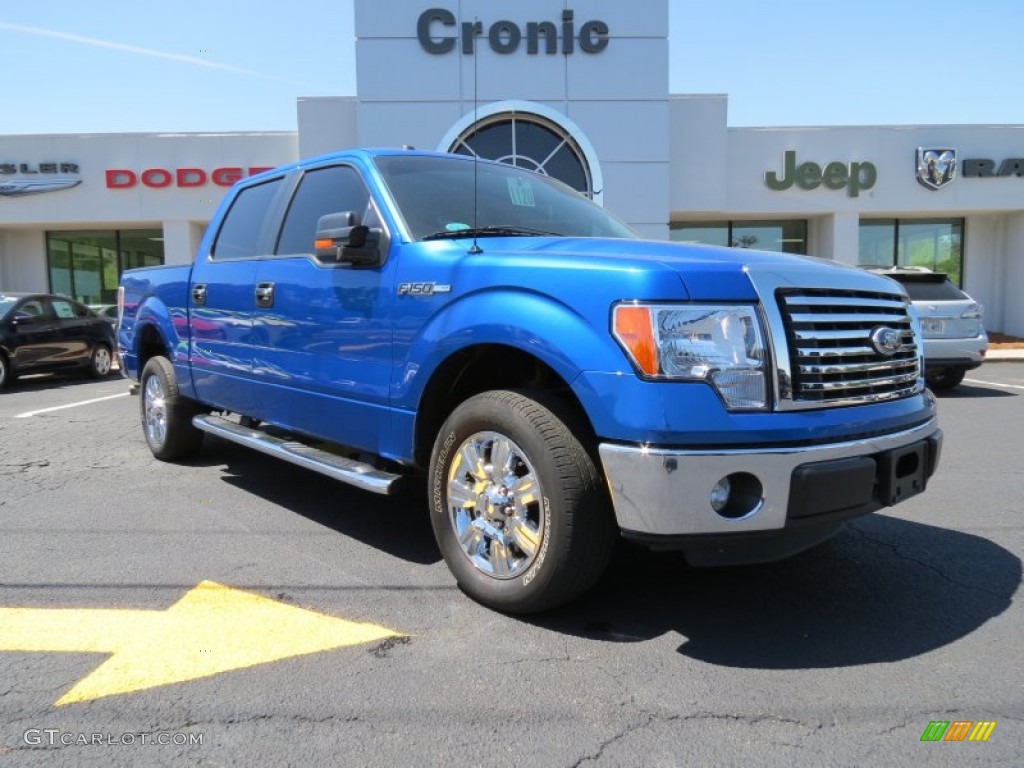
{"points": [[357, 473]]}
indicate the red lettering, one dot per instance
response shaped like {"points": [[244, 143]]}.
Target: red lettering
{"points": [[186, 178], [225, 177], [190, 177], [157, 177], [120, 178]]}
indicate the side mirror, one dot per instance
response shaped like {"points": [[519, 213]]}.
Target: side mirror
{"points": [[341, 238]]}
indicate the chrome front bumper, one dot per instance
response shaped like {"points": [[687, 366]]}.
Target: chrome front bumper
{"points": [[666, 492]]}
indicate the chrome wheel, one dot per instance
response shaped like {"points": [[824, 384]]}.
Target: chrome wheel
{"points": [[494, 502], [154, 408]]}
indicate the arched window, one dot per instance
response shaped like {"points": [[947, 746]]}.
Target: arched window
{"points": [[528, 141]]}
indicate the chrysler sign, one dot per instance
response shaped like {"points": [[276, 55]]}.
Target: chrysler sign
{"points": [[34, 178]]}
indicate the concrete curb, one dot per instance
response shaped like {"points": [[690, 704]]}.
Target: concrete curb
{"points": [[1004, 355]]}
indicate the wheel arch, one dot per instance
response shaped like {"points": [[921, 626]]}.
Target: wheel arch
{"points": [[480, 368]]}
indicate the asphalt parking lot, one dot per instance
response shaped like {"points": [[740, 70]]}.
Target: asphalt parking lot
{"points": [[238, 611]]}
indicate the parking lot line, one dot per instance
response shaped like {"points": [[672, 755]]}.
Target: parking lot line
{"points": [[993, 383], [27, 414]]}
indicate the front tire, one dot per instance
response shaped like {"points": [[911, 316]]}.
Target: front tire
{"points": [[166, 415], [518, 507], [5, 372]]}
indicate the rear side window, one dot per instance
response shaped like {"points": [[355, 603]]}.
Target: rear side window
{"points": [[239, 236], [322, 191], [932, 290]]}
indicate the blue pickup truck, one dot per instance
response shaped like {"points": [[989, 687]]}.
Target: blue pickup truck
{"points": [[373, 315]]}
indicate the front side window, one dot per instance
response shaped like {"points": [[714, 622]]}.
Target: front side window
{"points": [[936, 244], [241, 233], [322, 191]]}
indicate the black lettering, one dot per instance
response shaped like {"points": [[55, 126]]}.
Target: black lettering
{"points": [[504, 36], [69, 167], [8, 168], [47, 167], [568, 33], [429, 43], [593, 37], [978, 168], [24, 168], [470, 29], [534, 30], [1012, 166]]}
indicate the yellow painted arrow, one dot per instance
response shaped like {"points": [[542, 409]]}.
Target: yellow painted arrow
{"points": [[212, 629]]}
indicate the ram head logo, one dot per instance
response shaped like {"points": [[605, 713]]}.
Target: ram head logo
{"points": [[936, 167]]}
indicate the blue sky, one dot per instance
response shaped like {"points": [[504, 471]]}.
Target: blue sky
{"points": [[223, 65]]}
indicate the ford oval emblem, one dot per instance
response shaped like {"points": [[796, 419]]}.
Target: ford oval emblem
{"points": [[886, 341]]}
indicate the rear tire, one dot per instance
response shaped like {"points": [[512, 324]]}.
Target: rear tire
{"points": [[166, 415], [519, 509], [945, 379]]}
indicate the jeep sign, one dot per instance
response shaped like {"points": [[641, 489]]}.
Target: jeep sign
{"points": [[853, 177]]}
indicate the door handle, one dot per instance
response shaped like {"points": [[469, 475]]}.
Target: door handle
{"points": [[199, 295], [264, 295]]}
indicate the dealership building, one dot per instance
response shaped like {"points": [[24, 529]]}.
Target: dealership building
{"points": [[576, 90]]}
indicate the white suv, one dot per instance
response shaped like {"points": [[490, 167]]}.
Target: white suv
{"points": [[951, 322]]}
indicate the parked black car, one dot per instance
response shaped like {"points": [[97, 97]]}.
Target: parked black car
{"points": [[43, 333]]}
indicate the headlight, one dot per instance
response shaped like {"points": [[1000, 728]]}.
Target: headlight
{"points": [[719, 344]]}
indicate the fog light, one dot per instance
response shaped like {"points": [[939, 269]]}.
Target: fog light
{"points": [[737, 496], [720, 494]]}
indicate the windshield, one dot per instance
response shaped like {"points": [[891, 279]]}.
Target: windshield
{"points": [[435, 195]]}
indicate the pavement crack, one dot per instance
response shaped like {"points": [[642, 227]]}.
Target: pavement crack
{"points": [[896, 550]]}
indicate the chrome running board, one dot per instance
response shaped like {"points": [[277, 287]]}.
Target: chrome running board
{"points": [[350, 471]]}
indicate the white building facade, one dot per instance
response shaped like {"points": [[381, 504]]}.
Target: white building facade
{"points": [[578, 90]]}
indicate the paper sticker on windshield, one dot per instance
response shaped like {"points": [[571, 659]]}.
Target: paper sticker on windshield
{"points": [[520, 192]]}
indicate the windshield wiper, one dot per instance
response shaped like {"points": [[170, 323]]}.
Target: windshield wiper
{"points": [[491, 230]]}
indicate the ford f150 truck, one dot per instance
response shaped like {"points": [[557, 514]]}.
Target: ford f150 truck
{"points": [[376, 314]]}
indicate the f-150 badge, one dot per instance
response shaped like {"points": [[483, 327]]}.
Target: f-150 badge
{"points": [[422, 289]]}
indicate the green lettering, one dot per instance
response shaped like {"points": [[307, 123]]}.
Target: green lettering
{"points": [[772, 180], [862, 176], [808, 176], [835, 176]]}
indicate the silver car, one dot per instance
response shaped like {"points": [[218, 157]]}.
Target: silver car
{"points": [[951, 322]]}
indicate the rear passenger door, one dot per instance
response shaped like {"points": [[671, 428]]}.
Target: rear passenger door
{"points": [[322, 339], [222, 297]]}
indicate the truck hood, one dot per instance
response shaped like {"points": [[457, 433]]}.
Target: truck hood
{"points": [[708, 272]]}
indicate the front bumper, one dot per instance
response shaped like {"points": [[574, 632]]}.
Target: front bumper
{"points": [[664, 493]]}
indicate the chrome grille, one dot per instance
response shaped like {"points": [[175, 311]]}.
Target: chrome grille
{"points": [[832, 356]]}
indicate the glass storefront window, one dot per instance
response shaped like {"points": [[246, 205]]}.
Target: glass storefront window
{"points": [[933, 243], [787, 236], [87, 264]]}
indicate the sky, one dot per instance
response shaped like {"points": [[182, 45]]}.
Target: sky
{"points": [[111, 66]]}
